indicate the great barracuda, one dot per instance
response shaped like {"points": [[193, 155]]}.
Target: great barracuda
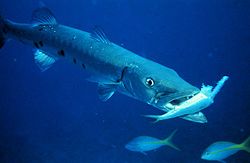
{"points": [[114, 68]]}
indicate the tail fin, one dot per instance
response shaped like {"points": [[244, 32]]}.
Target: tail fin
{"points": [[168, 140], [156, 117], [2, 31], [246, 145]]}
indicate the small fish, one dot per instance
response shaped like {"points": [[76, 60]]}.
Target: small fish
{"points": [[222, 149], [147, 143]]}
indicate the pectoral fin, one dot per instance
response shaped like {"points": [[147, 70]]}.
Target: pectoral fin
{"points": [[105, 91], [100, 79], [106, 86]]}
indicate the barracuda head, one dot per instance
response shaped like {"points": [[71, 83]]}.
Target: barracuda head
{"points": [[157, 85]]}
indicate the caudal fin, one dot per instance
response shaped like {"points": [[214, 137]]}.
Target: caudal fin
{"points": [[246, 145], [168, 141], [2, 31], [156, 117]]}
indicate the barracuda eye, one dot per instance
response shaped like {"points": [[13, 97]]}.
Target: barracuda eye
{"points": [[149, 82]]}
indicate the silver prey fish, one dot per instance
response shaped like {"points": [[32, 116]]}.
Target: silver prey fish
{"points": [[114, 68]]}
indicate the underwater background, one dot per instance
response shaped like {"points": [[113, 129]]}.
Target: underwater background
{"points": [[56, 116]]}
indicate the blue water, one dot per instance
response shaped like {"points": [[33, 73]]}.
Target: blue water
{"points": [[56, 116]]}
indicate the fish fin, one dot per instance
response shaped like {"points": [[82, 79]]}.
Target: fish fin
{"points": [[144, 153], [156, 117], [43, 15], [168, 141], [246, 145], [99, 35], [105, 80], [43, 61], [196, 117], [98, 79], [105, 91], [106, 87]]}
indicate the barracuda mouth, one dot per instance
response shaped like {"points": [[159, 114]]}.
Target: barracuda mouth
{"points": [[178, 101], [169, 100]]}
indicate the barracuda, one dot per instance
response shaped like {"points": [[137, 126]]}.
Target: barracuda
{"points": [[114, 68]]}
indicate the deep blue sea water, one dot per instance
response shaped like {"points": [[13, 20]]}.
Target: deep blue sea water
{"points": [[56, 116]]}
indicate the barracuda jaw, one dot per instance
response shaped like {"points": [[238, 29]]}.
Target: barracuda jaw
{"points": [[189, 107], [178, 101]]}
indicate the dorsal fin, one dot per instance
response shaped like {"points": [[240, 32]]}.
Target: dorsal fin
{"points": [[43, 16], [99, 35]]}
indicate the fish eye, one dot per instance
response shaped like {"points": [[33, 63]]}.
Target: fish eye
{"points": [[150, 82]]}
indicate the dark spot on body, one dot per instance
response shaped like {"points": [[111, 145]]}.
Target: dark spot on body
{"points": [[61, 53], [83, 66], [41, 43], [74, 60], [36, 45]]}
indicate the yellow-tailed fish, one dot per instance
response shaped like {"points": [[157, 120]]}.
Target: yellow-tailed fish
{"points": [[146, 143], [220, 150]]}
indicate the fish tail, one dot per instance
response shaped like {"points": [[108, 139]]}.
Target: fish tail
{"points": [[156, 117], [246, 145], [168, 141]]}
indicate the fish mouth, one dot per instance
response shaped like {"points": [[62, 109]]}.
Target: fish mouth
{"points": [[178, 101], [170, 101]]}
